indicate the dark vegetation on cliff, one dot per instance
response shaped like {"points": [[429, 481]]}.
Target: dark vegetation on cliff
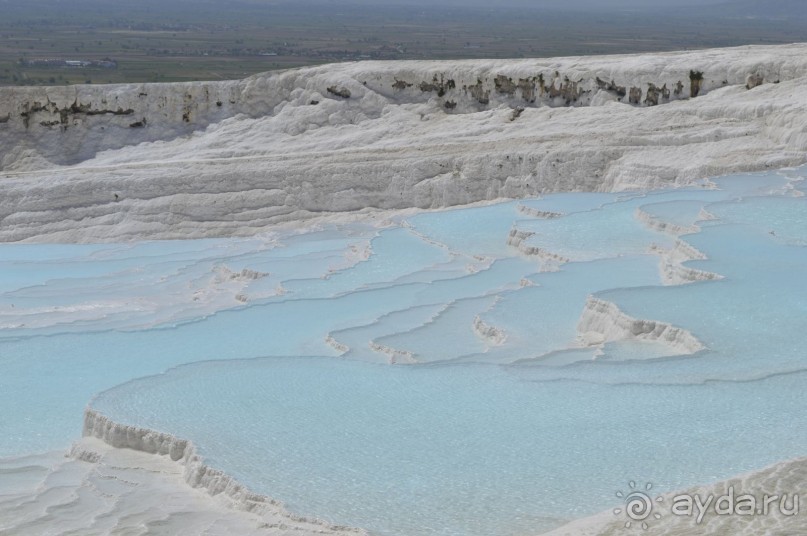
{"points": [[180, 40]]}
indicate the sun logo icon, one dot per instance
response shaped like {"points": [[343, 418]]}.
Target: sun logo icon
{"points": [[638, 505]]}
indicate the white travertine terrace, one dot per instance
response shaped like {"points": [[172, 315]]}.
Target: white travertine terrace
{"points": [[516, 239], [91, 163], [395, 356], [664, 226], [266, 515], [602, 321], [99, 489], [672, 268], [535, 213], [490, 334], [87, 163]]}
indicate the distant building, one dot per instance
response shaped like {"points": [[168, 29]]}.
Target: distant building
{"points": [[106, 63]]}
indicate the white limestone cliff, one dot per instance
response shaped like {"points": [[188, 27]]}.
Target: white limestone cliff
{"points": [[118, 162]]}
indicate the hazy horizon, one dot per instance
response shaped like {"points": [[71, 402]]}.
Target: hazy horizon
{"points": [[771, 9], [187, 40]]}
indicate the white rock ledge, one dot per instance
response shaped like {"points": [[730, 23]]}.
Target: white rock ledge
{"points": [[490, 334], [602, 321], [540, 214], [196, 473], [516, 239], [336, 345], [657, 224], [671, 264], [394, 356], [122, 162]]}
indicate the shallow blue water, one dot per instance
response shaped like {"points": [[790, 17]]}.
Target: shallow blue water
{"points": [[463, 449], [682, 212], [481, 435]]}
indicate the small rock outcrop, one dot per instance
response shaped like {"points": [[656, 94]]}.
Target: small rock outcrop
{"points": [[339, 92], [754, 80]]}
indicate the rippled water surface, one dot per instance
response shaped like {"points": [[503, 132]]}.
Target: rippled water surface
{"points": [[431, 377]]}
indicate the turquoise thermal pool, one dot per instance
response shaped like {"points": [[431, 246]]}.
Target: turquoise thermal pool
{"points": [[491, 370]]}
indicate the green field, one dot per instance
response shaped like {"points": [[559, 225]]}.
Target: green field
{"points": [[183, 41]]}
